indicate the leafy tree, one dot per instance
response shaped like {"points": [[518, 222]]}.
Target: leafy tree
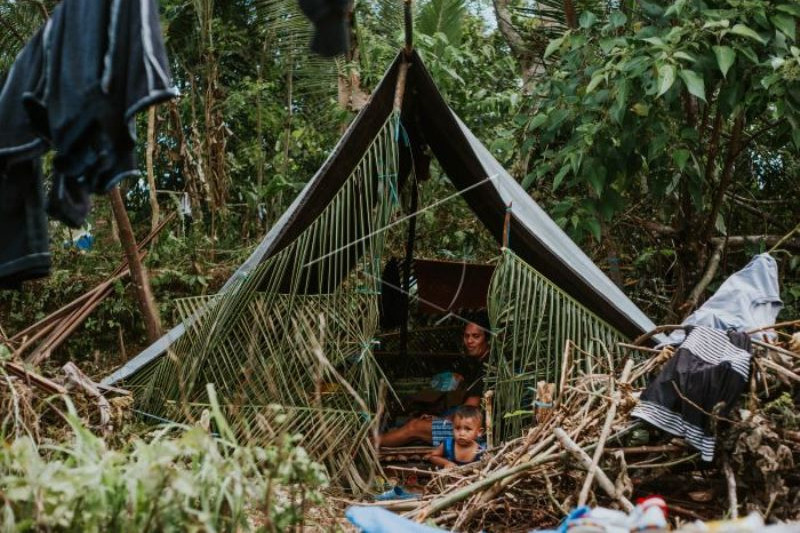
{"points": [[660, 115]]}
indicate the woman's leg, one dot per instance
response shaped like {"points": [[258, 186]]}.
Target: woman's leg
{"points": [[414, 429]]}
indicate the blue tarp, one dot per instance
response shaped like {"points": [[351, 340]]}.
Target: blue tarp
{"points": [[379, 520]]}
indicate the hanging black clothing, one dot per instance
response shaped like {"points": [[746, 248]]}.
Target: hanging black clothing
{"points": [[106, 61], [24, 252], [710, 367], [18, 138], [75, 88]]}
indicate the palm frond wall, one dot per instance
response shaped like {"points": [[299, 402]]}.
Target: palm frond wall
{"points": [[532, 319], [297, 331]]}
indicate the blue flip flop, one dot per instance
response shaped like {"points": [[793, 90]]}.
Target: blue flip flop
{"points": [[396, 493]]}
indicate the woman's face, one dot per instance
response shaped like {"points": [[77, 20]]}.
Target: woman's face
{"points": [[475, 340]]}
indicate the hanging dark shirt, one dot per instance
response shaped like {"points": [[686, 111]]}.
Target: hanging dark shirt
{"points": [[24, 252], [75, 87]]}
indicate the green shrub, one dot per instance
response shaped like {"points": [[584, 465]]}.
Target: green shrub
{"points": [[181, 479]]}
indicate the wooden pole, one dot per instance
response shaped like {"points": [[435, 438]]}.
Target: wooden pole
{"points": [[155, 213], [141, 283], [583, 458], [410, 238], [400, 87], [616, 398]]}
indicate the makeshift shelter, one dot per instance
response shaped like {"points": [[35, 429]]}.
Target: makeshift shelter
{"points": [[288, 340]]}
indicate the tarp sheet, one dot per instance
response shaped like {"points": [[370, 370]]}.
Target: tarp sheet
{"points": [[426, 117], [749, 299]]}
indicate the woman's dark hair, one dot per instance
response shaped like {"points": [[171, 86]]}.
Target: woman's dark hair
{"points": [[481, 318]]}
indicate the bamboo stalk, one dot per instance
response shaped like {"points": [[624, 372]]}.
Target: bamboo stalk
{"points": [[779, 369], [48, 322], [598, 452], [52, 317], [733, 505], [586, 461], [455, 497], [503, 474], [35, 337], [774, 348], [67, 326]]}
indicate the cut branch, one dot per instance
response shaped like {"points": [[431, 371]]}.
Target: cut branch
{"points": [[711, 271], [586, 461], [79, 379], [738, 241], [601, 443]]}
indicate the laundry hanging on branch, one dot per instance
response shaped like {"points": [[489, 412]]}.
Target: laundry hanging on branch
{"points": [[75, 88]]}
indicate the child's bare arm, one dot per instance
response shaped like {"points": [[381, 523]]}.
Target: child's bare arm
{"points": [[437, 457], [438, 452]]}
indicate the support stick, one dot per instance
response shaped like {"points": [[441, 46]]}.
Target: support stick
{"points": [[616, 397], [586, 461]]}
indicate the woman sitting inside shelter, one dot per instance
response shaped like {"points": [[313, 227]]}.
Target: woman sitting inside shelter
{"points": [[436, 429]]}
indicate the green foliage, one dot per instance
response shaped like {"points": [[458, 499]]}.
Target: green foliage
{"points": [[628, 106], [442, 16], [189, 481]]}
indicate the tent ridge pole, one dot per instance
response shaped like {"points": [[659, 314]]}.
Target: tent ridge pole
{"points": [[400, 88]]}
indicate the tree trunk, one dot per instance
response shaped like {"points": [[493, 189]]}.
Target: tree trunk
{"points": [[141, 283], [523, 50], [155, 213]]}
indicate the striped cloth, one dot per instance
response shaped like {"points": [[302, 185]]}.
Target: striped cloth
{"points": [[709, 368], [441, 429]]}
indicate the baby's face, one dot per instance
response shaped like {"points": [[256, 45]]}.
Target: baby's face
{"points": [[466, 430]]}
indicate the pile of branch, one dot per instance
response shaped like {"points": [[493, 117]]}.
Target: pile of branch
{"points": [[36, 342], [38, 406], [589, 451]]}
